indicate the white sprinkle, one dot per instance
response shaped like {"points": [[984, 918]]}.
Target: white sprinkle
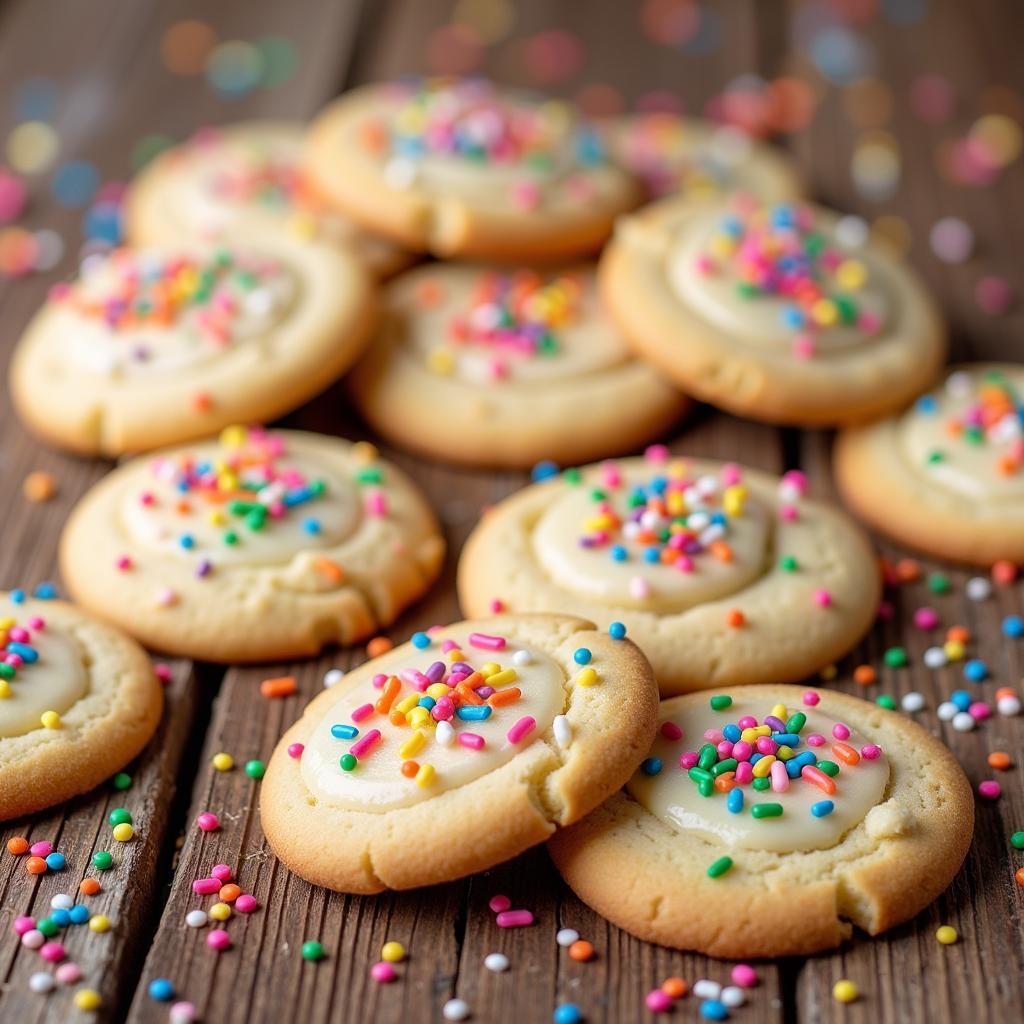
{"points": [[332, 676], [959, 384], [562, 729], [935, 657], [639, 588], [444, 734], [978, 588], [399, 173], [733, 996], [851, 231], [522, 658], [567, 936], [62, 901], [963, 722], [912, 702], [196, 918], [166, 597], [947, 711], [707, 989], [41, 982], [455, 1009], [1008, 706], [496, 962]]}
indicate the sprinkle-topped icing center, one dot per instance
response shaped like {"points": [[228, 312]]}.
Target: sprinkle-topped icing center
{"points": [[459, 706], [658, 534], [968, 435], [246, 501], [468, 134], [748, 777], [148, 312], [41, 670], [779, 278]]}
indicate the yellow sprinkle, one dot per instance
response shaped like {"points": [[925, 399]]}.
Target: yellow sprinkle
{"points": [[947, 935], [392, 952], [418, 717], [302, 226], [5, 689], [50, 720], [99, 923], [233, 437], [220, 911], [489, 668], [587, 677], [455, 655], [6, 623], [223, 762], [425, 776], [748, 735], [438, 690], [364, 452], [784, 753], [764, 766], [440, 361], [406, 704], [824, 312], [216, 517], [844, 991], [851, 275], [676, 503], [954, 649], [779, 711], [124, 831], [502, 678], [413, 745], [88, 998]]}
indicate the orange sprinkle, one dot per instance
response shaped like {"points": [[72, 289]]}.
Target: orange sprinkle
{"points": [[329, 568], [734, 617], [17, 845], [500, 698], [88, 887], [378, 645], [388, 695], [429, 294], [473, 680], [721, 550], [908, 570], [958, 635], [281, 686], [372, 136], [35, 865], [1004, 572], [410, 768], [1019, 875], [39, 486], [201, 401], [1000, 760], [818, 778], [581, 950], [675, 987], [230, 892], [725, 782], [865, 675], [1005, 691], [466, 695], [845, 753], [396, 717]]}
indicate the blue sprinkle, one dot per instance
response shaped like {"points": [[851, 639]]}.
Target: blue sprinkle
{"points": [[975, 670], [652, 555], [961, 698], [616, 630], [311, 526], [544, 470], [187, 541], [1013, 627], [474, 712], [44, 592], [18, 596], [26, 653], [60, 917], [427, 702], [651, 766], [732, 733], [161, 989], [619, 553], [79, 914], [75, 183], [344, 732], [755, 757], [823, 808], [567, 1013], [789, 739], [735, 801], [420, 641], [55, 861], [927, 406], [712, 1009], [581, 656]]}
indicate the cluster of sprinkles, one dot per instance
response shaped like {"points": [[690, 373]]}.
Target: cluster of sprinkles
{"points": [[18, 650], [468, 120], [512, 317], [781, 252], [749, 757], [992, 420]]}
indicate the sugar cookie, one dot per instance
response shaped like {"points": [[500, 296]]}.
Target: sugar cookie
{"points": [[736, 844], [462, 168], [785, 313], [674, 155], [262, 546], [722, 574], [153, 347], [456, 751], [239, 175], [947, 475], [506, 368], [78, 701]]}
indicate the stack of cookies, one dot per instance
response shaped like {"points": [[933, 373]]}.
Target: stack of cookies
{"points": [[507, 284]]}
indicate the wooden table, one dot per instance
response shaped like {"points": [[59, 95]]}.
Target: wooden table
{"points": [[104, 55]]}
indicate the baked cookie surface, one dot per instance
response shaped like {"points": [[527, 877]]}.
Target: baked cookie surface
{"points": [[78, 700], [772, 826], [456, 751], [463, 168], [153, 347], [723, 575], [946, 476], [225, 178], [259, 546], [780, 313], [505, 368]]}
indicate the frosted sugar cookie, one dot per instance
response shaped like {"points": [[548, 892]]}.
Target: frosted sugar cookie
{"points": [[505, 368], [154, 346], [946, 476], [722, 574], [699, 159], [781, 313], [262, 546], [456, 751], [238, 176], [463, 168], [78, 701], [769, 820]]}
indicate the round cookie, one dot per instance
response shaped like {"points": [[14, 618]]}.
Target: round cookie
{"points": [[723, 575], [505, 368], [784, 313], [261, 546], [78, 701], [240, 175], [156, 346], [865, 823], [463, 168], [946, 476], [457, 751], [701, 160]]}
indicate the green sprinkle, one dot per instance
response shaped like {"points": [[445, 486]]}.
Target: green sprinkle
{"points": [[48, 927], [1017, 840], [121, 781], [719, 867], [938, 583], [730, 764], [348, 763], [700, 774], [102, 860], [7, 671], [370, 475], [936, 456], [256, 519], [572, 475], [231, 538], [255, 769], [312, 951], [766, 810], [830, 768], [787, 563], [706, 787], [796, 722], [762, 784], [721, 703], [119, 816], [885, 701], [707, 756], [895, 657], [784, 753], [746, 290], [974, 435]]}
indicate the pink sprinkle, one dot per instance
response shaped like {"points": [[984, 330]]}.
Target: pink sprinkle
{"points": [[789, 512], [671, 731], [379, 680], [361, 712], [688, 760], [744, 772], [812, 699], [514, 918], [486, 643], [989, 789], [295, 750], [36, 623], [870, 752], [742, 750], [658, 1001], [124, 563], [54, 952], [747, 722], [840, 731], [449, 645], [731, 474], [744, 975], [383, 972], [724, 749], [499, 903], [471, 740], [521, 729], [163, 672], [222, 871], [68, 974], [779, 777], [713, 735], [994, 295], [23, 924], [246, 904], [979, 711], [797, 480], [219, 940], [496, 606], [804, 347], [208, 821], [926, 618], [33, 938], [639, 588], [656, 453], [183, 1012], [41, 849], [611, 475], [206, 886], [822, 598], [444, 711], [815, 739], [766, 745], [526, 195], [376, 504], [364, 743], [886, 611]]}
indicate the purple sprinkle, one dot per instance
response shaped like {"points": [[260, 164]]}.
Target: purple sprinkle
{"points": [[484, 691], [463, 668], [435, 673], [776, 724], [204, 568]]}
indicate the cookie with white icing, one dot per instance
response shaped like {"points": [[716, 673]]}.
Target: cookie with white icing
{"points": [[497, 367], [464, 168], [723, 575], [242, 174], [945, 476], [769, 821], [456, 751], [783, 313], [260, 546], [149, 347], [78, 700]]}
